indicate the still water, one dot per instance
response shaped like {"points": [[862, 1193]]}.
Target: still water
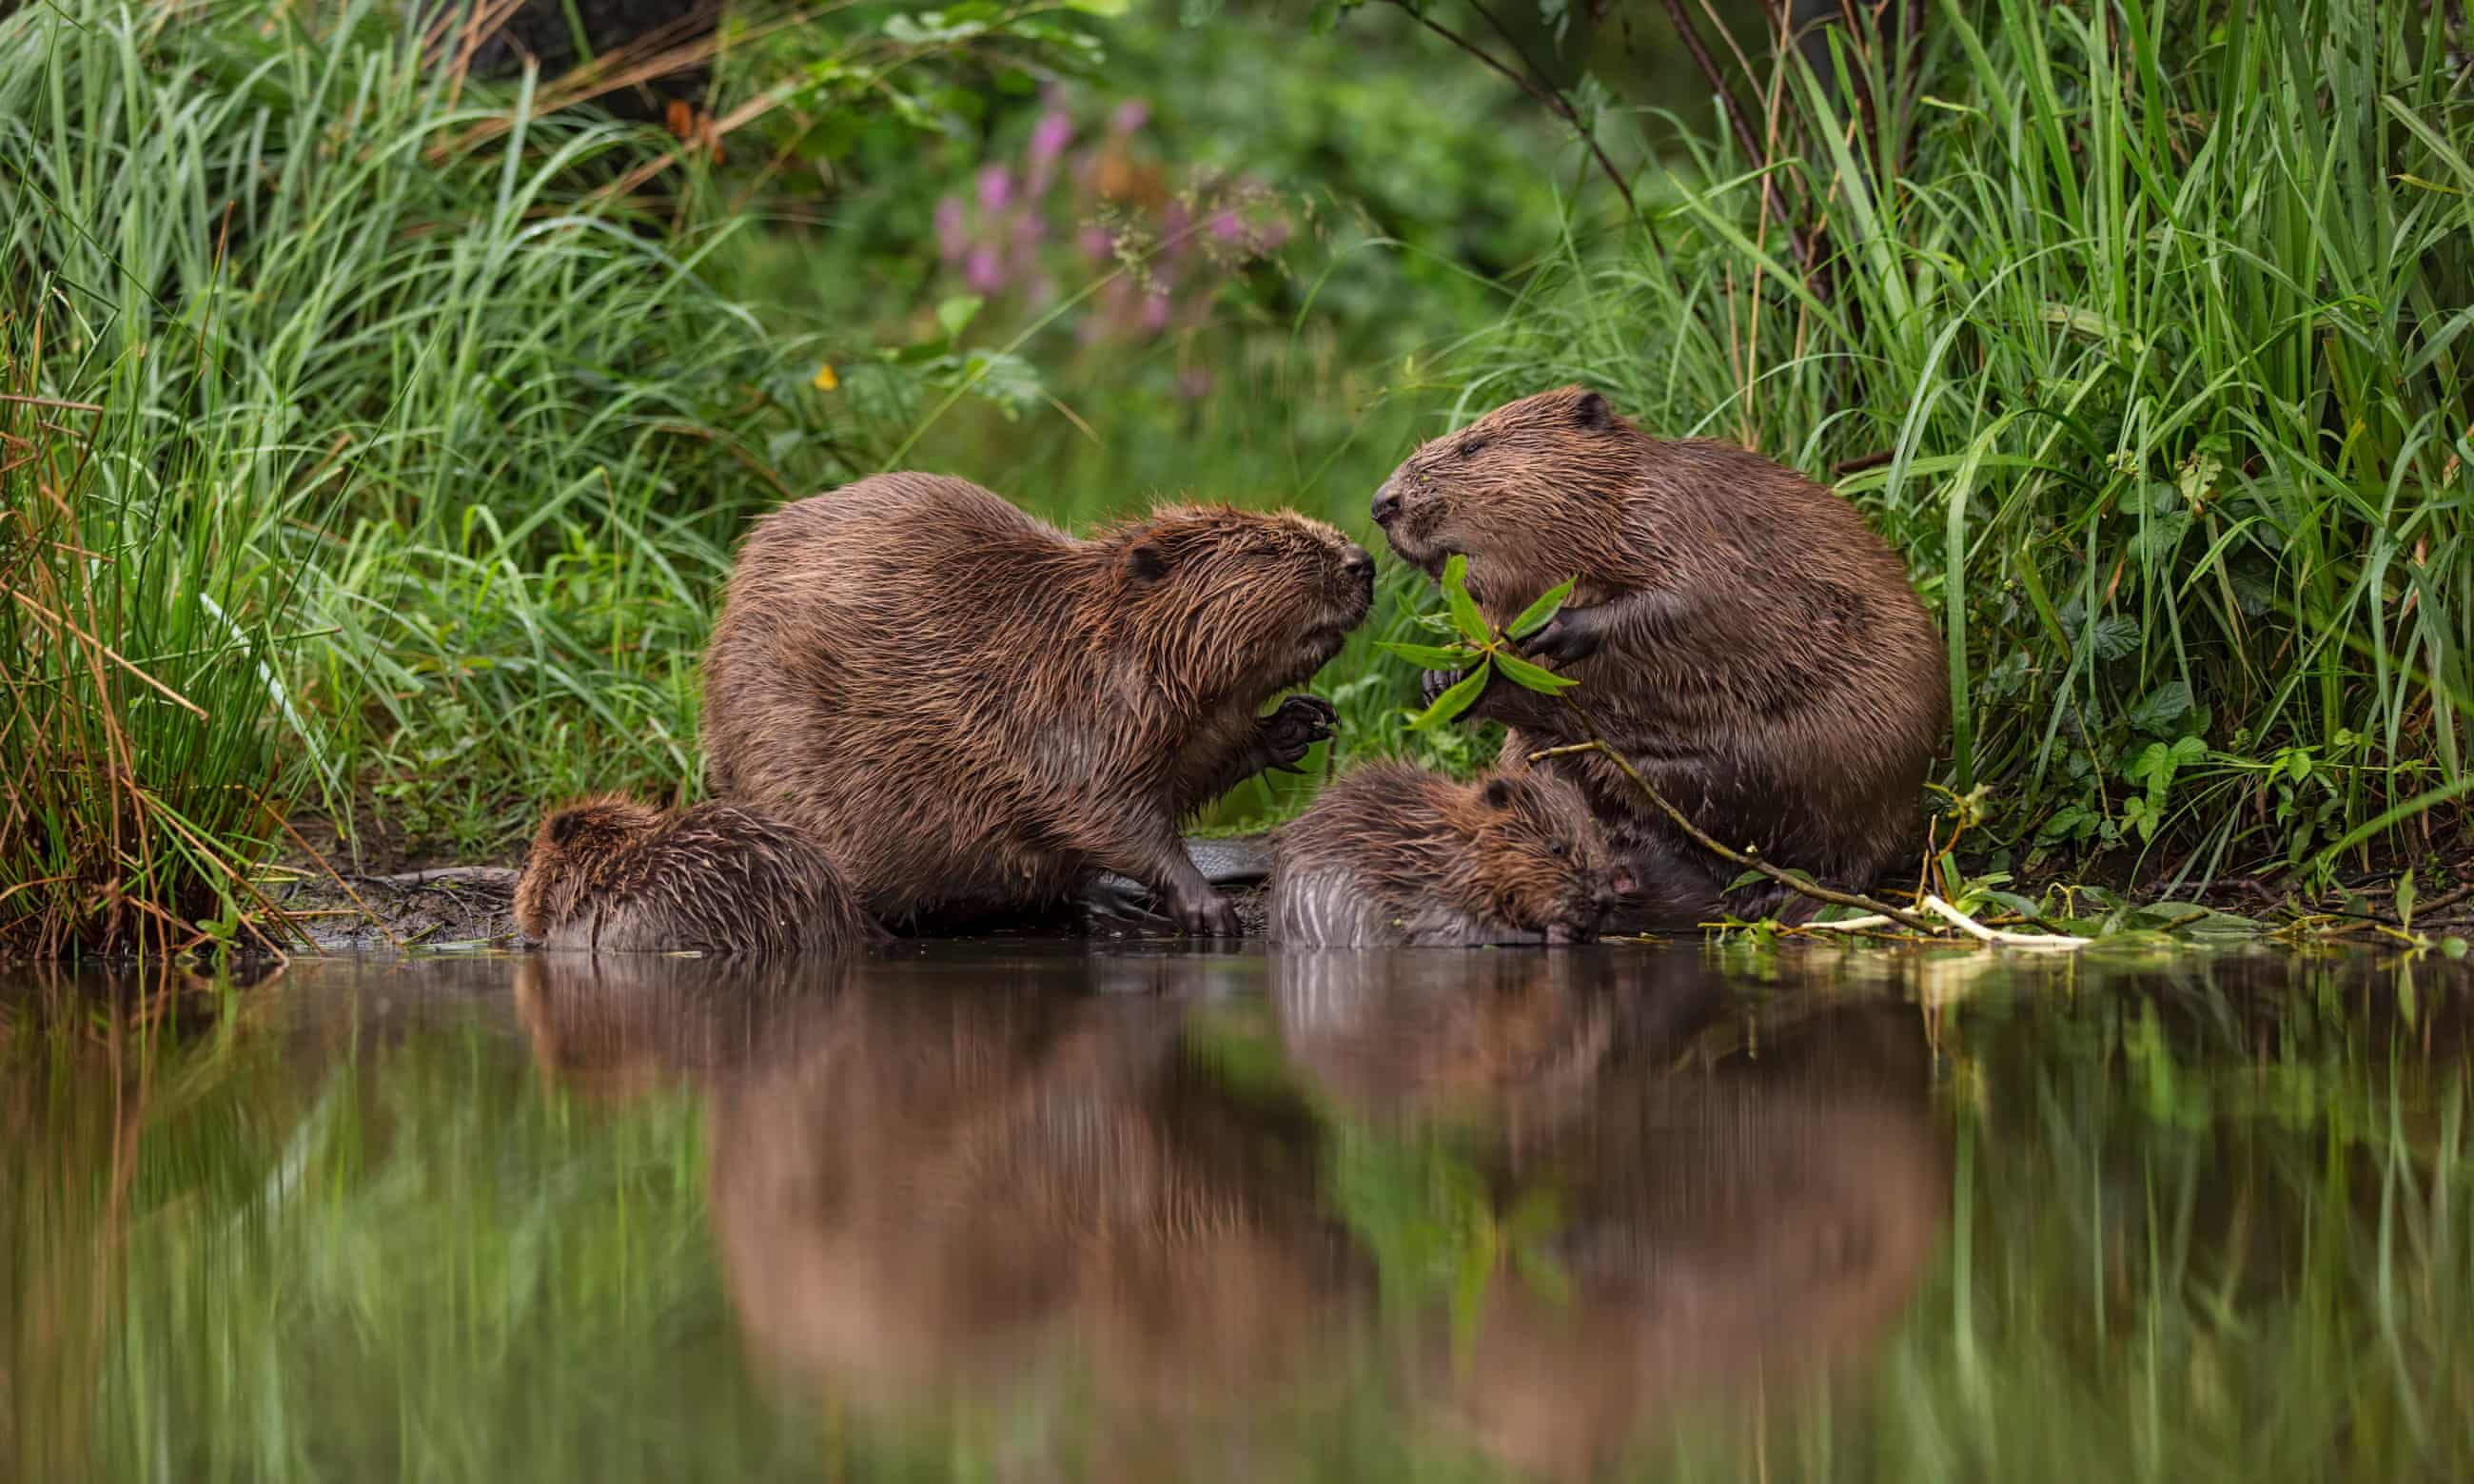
{"points": [[1060, 1212]]}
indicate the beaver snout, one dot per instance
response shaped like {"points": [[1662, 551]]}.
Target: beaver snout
{"points": [[1358, 565], [1387, 504]]}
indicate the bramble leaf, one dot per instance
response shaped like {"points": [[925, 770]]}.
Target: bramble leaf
{"points": [[1521, 671], [1433, 656], [1466, 618], [1453, 701], [1538, 614]]}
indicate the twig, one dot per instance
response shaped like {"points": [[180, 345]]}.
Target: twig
{"points": [[1748, 858], [1983, 934], [1552, 98], [1740, 126]]}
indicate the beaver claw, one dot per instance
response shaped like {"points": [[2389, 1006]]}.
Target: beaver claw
{"points": [[1574, 634], [1300, 723], [1433, 683], [1204, 915]]}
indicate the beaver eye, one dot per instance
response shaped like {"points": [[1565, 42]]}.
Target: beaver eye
{"points": [[1472, 448], [1554, 847]]}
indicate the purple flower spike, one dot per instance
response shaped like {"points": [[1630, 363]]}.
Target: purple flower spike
{"points": [[1096, 242], [952, 240], [1049, 136], [996, 189], [982, 272], [1131, 115], [1155, 308], [1226, 225]]}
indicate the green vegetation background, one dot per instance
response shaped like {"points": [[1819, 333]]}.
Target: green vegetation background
{"points": [[380, 419]]}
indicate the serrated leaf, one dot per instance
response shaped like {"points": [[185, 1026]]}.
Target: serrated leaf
{"points": [[2114, 637], [1466, 618], [1538, 614], [1453, 701], [2162, 708], [1432, 656], [1529, 677]]}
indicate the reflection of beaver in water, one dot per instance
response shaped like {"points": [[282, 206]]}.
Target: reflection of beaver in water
{"points": [[1391, 854], [972, 710], [1738, 633], [613, 874], [958, 1192]]}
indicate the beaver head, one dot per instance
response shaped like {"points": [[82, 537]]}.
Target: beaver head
{"points": [[1543, 857], [1217, 602], [569, 853], [1531, 494]]}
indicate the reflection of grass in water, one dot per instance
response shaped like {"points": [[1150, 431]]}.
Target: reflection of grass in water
{"points": [[434, 1271], [2167, 1264], [416, 1262]]}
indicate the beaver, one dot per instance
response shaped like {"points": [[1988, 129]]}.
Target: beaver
{"points": [[614, 874], [1393, 854], [974, 711], [1738, 632]]}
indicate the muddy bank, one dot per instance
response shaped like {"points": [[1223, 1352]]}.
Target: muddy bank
{"points": [[474, 906]]}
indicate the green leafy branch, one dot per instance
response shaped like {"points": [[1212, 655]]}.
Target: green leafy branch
{"points": [[1478, 651]]}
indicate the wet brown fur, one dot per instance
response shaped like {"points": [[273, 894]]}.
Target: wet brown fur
{"points": [[1393, 854], [1764, 662], [613, 874], [972, 710]]}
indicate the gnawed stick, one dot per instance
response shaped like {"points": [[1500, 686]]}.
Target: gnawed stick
{"points": [[1750, 859]]}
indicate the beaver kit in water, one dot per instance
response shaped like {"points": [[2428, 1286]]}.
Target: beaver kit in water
{"points": [[615, 876], [1739, 634], [974, 711], [1393, 854]]}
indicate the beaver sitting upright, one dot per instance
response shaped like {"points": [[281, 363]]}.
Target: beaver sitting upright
{"points": [[615, 876], [1393, 854], [973, 712], [1738, 633]]}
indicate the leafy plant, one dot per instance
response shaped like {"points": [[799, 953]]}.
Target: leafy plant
{"points": [[1477, 650]]}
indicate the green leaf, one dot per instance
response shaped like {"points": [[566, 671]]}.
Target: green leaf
{"points": [[1110, 9], [1538, 614], [1453, 701], [956, 314], [1521, 671], [2162, 708], [2405, 901], [1434, 657], [1466, 618]]}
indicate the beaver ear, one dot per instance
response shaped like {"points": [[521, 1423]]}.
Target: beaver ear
{"points": [[1145, 562], [1592, 413], [1498, 792], [564, 824]]}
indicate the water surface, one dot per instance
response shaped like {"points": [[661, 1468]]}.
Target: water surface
{"points": [[1061, 1211]]}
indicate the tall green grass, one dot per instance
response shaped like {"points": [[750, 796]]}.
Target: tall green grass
{"points": [[2139, 328], [418, 454]]}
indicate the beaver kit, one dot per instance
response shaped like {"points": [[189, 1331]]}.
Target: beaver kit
{"points": [[1738, 633], [1391, 854], [973, 712], [613, 874]]}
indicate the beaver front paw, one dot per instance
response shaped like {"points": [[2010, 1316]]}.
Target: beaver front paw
{"points": [[1203, 912], [1433, 683], [1573, 634], [1300, 723]]}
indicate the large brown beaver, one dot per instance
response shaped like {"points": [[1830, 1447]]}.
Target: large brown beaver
{"points": [[1393, 854], [613, 874], [972, 710], [1737, 631]]}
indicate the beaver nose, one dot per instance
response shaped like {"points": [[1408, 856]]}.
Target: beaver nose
{"points": [[1354, 560], [1387, 504]]}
